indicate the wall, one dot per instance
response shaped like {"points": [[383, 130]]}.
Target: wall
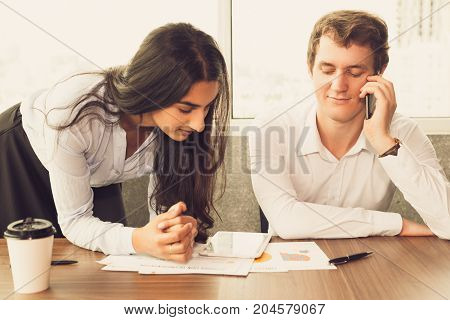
{"points": [[238, 208]]}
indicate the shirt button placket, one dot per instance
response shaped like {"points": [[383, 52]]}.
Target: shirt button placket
{"points": [[333, 186]]}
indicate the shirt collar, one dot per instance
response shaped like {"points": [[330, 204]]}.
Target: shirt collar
{"points": [[361, 144], [313, 144]]}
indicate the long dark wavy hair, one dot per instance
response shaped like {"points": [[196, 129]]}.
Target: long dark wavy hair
{"points": [[169, 61]]}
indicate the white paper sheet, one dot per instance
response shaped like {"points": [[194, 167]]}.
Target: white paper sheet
{"points": [[278, 257], [284, 256], [197, 265]]}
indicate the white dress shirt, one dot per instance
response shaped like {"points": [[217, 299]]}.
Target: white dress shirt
{"points": [[305, 192], [88, 154]]}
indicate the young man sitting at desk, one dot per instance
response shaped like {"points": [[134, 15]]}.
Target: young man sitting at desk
{"points": [[324, 171]]}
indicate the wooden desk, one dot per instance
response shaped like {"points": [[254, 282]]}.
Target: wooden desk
{"points": [[401, 268]]}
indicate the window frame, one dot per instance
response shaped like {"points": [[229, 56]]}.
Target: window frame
{"points": [[430, 125]]}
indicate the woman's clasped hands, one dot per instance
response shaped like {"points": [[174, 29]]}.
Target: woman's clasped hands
{"points": [[169, 236]]}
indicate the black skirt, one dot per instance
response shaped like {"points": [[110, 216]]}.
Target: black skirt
{"points": [[25, 189]]}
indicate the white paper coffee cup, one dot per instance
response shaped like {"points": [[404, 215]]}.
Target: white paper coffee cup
{"points": [[30, 245]]}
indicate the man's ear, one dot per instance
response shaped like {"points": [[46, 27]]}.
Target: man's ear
{"points": [[309, 71], [383, 68]]}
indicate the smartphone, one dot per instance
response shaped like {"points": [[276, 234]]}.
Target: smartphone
{"points": [[370, 105]]}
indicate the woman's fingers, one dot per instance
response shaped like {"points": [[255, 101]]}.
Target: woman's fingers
{"points": [[179, 247], [173, 212], [194, 230], [173, 228], [179, 205], [194, 233], [179, 220], [182, 257], [177, 235]]}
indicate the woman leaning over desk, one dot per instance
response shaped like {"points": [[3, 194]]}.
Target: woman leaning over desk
{"points": [[66, 150]]}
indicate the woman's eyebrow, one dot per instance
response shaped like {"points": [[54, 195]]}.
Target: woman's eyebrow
{"points": [[190, 104], [194, 105]]}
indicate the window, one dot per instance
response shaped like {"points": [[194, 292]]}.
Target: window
{"points": [[270, 41], [46, 41], [43, 42]]}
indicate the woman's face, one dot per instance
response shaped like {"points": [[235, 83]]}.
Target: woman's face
{"points": [[184, 117]]}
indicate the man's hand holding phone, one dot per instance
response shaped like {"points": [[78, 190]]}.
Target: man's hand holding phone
{"points": [[377, 127]]}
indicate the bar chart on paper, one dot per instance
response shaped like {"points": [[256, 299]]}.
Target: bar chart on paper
{"points": [[282, 257]]}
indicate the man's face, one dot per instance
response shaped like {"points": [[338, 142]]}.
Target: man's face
{"points": [[338, 74]]}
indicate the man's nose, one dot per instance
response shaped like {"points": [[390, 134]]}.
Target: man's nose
{"points": [[339, 83]]}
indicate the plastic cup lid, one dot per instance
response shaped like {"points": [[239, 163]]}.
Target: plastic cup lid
{"points": [[29, 228]]}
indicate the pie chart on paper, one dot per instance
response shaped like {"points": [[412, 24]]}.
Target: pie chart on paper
{"points": [[264, 257]]}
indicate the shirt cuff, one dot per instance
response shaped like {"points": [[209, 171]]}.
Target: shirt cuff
{"points": [[386, 223], [126, 241], [400, 167]]}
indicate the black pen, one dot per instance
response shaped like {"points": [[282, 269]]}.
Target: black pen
{"points": [[63, 262], [352, 257]]}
